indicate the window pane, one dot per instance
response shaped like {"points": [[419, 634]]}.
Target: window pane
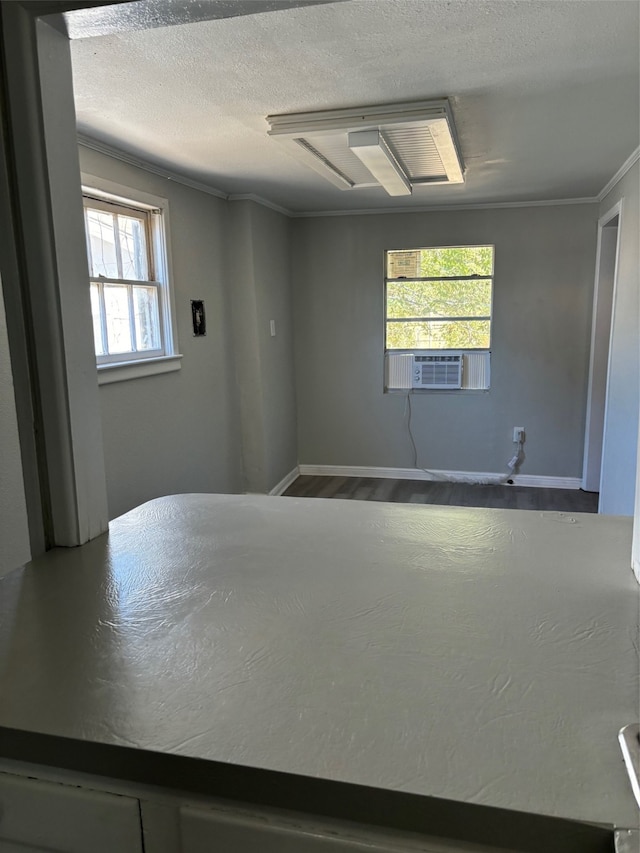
{"points": [[116, 298], [146, 316], [439, 334], [103, 244], [445, 262], [133, 247], [97, 325], [439, 298]]}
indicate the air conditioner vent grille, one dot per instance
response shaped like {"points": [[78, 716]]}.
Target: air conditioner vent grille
{"points": [[437, 371], [476, 370], [393, 146], [417, 152]]}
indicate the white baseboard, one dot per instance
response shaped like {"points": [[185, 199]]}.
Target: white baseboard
{"points": [[286, 481], [543, 482], [418, 474]]}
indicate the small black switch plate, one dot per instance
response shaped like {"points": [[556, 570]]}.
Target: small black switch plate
{"points": [[198, 318]]}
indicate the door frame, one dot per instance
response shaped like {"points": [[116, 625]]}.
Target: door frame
{"points": [[603, 221]]}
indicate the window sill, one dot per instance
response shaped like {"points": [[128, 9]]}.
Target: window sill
{"points": [[125, 370], [447, 391]]}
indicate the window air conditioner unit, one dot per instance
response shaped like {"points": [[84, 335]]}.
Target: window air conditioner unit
{"points": [[437, 371]]}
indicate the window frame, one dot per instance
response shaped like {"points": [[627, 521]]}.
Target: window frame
{"points": [[437, 350], [102, 194]]}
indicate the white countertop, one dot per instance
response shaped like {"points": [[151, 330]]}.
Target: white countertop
{"points": [[483, 656]]}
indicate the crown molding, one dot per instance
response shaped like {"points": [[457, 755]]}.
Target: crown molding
{"points": [[178, 178], [622, 171], [132, 160], [258, 199], [450, 207]]}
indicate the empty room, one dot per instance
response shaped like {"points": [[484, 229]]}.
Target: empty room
{"points": [[320, 401]]}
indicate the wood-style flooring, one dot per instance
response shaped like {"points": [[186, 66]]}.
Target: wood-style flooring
{"points": [[447, 494]]}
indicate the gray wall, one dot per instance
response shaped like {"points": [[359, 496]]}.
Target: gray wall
{"points": [[14, 531], [177, 432], [52, 250], [617, 492], [544, 265], [226, 421], [260, 285], [272, 269]]}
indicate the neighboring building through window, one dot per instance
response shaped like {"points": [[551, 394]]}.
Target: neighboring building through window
{"points": [[128, 271], [439, 299]]}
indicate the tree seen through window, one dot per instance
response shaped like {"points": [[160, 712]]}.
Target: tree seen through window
{"points": [[439, 298]]}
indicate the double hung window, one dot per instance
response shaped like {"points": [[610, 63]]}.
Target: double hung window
{"points": [[130, 302], [439, 298]]}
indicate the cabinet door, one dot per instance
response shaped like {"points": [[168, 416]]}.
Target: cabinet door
{"points": [[205, 831], [45, 817], [211, 831]]}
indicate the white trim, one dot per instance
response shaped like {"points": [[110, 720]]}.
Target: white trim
{"points": [[170, 175], [546, 482], [616, 210], [327, 122], [202, 186], [132, 160], [285, 482], [161, 249], [535, 480], [622, 171], [259, 200], [125, 370], [124, 193], [444, 208]]}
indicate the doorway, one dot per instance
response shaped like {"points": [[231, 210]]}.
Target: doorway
{"points": [[603, 309]]}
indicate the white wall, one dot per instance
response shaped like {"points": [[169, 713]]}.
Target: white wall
{"points": [[617, 494], [177, 432], [14, 531], [544, 262]]}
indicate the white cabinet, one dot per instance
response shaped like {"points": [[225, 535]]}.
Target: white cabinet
{"points": [[42, 817]]}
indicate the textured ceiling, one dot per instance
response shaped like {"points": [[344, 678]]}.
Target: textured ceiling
{"points": [[545, 94], [146, 14]]}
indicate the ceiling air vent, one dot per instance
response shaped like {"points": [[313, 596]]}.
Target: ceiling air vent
{"points": [[396, 146]]}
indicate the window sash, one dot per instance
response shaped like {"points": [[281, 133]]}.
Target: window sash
{"points": [[417, 251], [439, 319], [440, 346], [135, 354], [115, 209], [405, 279], [138, 318], [115, 206]]}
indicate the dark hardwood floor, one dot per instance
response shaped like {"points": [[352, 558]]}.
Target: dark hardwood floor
{"points": [[447, 494]]}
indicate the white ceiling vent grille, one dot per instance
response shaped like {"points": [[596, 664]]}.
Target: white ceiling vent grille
{"points": [[420, 154], [397, 146], [333, 150]]}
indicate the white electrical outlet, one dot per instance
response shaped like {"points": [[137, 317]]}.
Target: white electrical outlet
{"points": [[518, 434]]}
